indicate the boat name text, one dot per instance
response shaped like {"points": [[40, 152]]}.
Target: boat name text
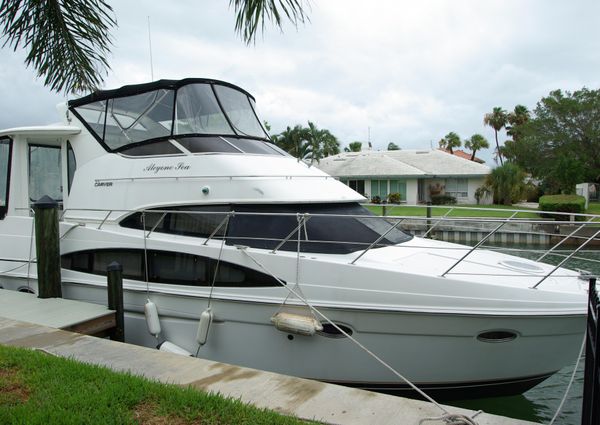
{"points": [[155, 169], [102, 184]]}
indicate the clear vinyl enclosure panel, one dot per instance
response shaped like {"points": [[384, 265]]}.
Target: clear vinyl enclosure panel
{"points": [[192, 109]]}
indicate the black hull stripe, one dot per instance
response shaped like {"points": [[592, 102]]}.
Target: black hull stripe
{"points": [[455, 390]]}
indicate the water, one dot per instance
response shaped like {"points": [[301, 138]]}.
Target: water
{"points": [[540, 403]]}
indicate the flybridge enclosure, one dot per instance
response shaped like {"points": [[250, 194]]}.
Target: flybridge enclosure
{"points": [[205, 115]]}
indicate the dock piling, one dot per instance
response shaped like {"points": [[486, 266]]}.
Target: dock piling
{"points": [[115, 298], [47, 247]]}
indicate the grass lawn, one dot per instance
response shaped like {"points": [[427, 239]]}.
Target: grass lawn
{"points": [[496, 211], [37, 388]]}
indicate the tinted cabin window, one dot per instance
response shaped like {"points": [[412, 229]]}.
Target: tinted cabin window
{"points": [[168, 267], [173, 267], [332, 229], [193, 222], [71, 166], [161, 147], [5, 156]]}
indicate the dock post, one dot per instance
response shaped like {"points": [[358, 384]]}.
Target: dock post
{"points": [[428, 217], [115, 298], [47, 248], [384, 208], [591, 384]]}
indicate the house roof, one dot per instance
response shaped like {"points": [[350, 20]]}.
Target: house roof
{"points": [[465, 155], [400, 163]]}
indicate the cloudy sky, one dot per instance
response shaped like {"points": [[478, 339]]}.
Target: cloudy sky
{"points": [[411, 71]]}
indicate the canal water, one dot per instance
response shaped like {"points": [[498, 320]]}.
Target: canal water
{"points": [[540, 403]]}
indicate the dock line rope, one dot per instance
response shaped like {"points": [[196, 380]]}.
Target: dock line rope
{"points": [[453, 419], [562, 402], [447, 414]]}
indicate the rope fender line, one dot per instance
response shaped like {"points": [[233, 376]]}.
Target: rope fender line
{"points": [[455, 419]]}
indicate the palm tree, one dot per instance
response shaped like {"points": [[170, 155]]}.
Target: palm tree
{"points": [[68, 43], [475, 143], [322, 142], [293, 141], [353, 147], [450, 141], [515, 119], [507, 183], [496, 119]]}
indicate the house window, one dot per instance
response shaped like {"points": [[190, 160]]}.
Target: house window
{"points": [[379, 188], [398, 186], [357, 185], [459, 188]]}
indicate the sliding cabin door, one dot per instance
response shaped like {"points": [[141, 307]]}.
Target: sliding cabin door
{"points": [[45, 172]]}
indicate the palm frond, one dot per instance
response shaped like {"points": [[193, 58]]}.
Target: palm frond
{"points": [[67, 40], [251, 15]]}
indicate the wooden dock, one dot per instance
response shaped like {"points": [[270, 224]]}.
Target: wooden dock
{"points": [[75, 316]]}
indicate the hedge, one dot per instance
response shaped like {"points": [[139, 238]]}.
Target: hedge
{"points": [[443, 200], [562, 203]]}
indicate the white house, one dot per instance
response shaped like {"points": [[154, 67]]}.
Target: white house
{"points": [[415, 174]]}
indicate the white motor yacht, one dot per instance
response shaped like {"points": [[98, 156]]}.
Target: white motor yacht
{"points": [[179, 183]]}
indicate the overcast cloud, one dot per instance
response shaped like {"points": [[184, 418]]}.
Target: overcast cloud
{"points": [[411, 71]]}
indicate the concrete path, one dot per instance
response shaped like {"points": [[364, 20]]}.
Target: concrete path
{"points": [[293, 396]]}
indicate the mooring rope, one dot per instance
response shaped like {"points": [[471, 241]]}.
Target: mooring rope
{"points": [[562, 402], [448, 416]]}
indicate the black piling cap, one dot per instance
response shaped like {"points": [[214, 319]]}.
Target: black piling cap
{"points": [[114, 267], [45, 202]]}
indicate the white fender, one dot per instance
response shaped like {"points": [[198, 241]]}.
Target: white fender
{"points": [[151, 313], [296, 323], [169, 347], [203, 326]]}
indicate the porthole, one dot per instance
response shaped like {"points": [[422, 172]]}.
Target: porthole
{"points": [[26, 290], [497, 336], [331, 331]]}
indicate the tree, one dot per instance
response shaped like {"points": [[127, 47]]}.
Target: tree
{"points": [[506, 183], [496, 119], [393, 147], [516, 119], [292, 140], [353, 147], [307, 143], [559, 144], [475, 143], [450, 141], [68, 42]]}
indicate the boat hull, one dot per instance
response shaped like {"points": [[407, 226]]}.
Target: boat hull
{"points": [[438, 352]]}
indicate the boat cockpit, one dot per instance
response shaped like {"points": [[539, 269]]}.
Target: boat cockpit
{"points": [[169, 117]]}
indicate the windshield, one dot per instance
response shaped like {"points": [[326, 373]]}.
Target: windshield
{"points": [[180, 109]]}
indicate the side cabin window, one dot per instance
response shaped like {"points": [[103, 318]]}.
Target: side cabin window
{"points": [[45, 176], [5, 157], [168, 267], [71, 166]]}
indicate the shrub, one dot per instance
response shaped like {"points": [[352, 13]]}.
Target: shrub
{"points": [[443, 200], [394, 198], [562, 203], [376, 199]]}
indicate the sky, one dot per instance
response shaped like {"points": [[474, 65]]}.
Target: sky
{"points": [[397, 71]]}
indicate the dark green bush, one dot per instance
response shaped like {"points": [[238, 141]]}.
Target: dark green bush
{"points": [[443, 200], [394, 198], [376, 200], [562, 203]]}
